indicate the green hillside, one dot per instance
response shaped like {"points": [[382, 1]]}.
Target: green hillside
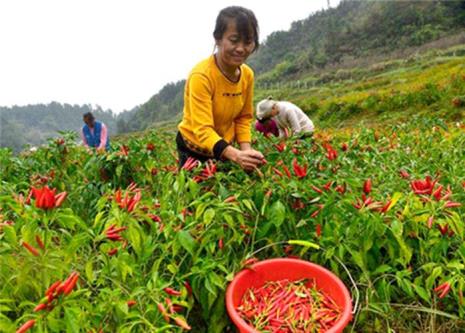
{"points": [[334, 48]]}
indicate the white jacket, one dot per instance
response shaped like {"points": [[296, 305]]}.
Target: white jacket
{"points": [[292, 117]]}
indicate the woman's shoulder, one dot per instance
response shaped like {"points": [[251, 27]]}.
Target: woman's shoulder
{"points": [[248, 72], [204, 67]]}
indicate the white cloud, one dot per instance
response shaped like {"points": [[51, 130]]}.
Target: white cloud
{"points": [[110, 52]]}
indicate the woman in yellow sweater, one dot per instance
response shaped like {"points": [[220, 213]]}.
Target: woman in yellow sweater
{"points": [[218, 107]]}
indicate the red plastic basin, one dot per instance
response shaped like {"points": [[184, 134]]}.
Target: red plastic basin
{"points": [[292, 269]]}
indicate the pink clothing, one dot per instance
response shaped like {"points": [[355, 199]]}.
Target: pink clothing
{"points": [[271, 127], [103, 137]]}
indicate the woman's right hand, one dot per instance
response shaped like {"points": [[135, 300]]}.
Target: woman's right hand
{"points": [[248, 160]]}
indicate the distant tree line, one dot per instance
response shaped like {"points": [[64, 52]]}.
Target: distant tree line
{"points": [[34, 124]]}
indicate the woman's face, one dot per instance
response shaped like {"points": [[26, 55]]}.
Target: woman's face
{"points": [[232, 49]]}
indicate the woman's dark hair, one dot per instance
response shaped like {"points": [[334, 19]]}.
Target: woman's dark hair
{"points": [[246, 23], [88, 115]]}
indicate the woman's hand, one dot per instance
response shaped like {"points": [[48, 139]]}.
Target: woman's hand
{"points": [[248, 159]]}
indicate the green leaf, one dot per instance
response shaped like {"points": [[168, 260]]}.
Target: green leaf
{"points": [[249, 204], [89, 272], [218, 318], [135, 239], [10, 235], [229, 220], [357, 258], [437, 271], [421, 292], [211, 289], [382, 269], [395, 198], [277, 213], [455, 264], [98, 217], [119, 170], [208, 216], [187, 242], [172, 269], [123, 307], [71, 320], [216, 280]]}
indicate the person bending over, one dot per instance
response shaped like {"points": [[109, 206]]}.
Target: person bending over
{"points": [[286, 115]]}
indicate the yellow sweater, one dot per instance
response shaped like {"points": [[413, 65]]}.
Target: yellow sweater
{"points": [[215, 108]]}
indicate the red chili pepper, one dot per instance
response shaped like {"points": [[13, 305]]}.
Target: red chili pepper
{"points": [[169, 304], [162, 309], [30, 248], [315, 213], [443, 289], [190, 164], [220, 243], [443, 229], [51, 290], [131, 303], [124, 150], [437, 193], [281, 146], [452, 204], [318, 230], [70, 283], [276, 171], [59, 198], [328, 185], [340, 188], [386, 207], [172, 292], [288, 173], [367, 186], [404, 174], [299, 170], [39, 242], [113, 233], [181, 322], [26, 326], [40, 307], [231, 198], [177, 308], [188, 287], [112, 251], [316, 189], [209, 170]]}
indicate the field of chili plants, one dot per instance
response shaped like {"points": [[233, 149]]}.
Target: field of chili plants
{"points": [[124, 242], [389, 91]]}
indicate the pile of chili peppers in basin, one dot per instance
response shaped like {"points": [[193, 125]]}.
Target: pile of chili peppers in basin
{"points": [[289, 306]]}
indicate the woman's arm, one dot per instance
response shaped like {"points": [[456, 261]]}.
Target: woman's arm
{"points": [[293, 120], [103, 137]]}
